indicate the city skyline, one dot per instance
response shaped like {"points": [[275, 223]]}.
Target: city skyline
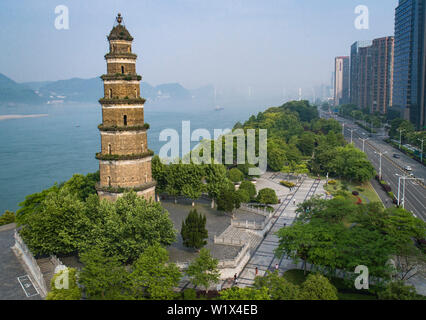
{"points": [[237, 44]]}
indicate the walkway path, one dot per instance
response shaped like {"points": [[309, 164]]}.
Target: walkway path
{"points": [[264, 258]]}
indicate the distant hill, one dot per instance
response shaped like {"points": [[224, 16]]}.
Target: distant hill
{"points": [[89, 90], [12, 92]]}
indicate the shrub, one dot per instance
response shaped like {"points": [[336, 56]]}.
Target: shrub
{"points": [[249, 187], [236, 175], [391, 195], [355, 193], [287, 184], [194, 230], [189, 294], [267, 196], [387, 188], [332, 181], [7, 217]]}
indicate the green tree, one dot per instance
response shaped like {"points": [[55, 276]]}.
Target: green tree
{"points": [[203, 270], [194, 232], [103, 277], [59, 226], [228, 199], [318, 287], [267, 196], [7, 217], [128, 226], [243, 195], [72, 292], [397, 290], [32, 204], [153, 276], [276, 157], [249, 187], [216, 180], [192, 186], [159, 173], [235, 175], [83, 186], [236, 293], [279, 288]]}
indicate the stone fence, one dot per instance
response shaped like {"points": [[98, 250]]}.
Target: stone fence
{"points": [[31, 263], [233, 263], [264, 212], [228, 241]]}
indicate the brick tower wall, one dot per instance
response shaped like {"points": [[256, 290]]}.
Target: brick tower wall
{"points": [[112, 116], [125, 174], [124, 143]]}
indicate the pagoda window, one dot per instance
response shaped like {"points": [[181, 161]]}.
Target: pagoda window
{"points": [[136, 93], [109, 181], [122, 69], [125, 120], [110, 93], [109, 148]]}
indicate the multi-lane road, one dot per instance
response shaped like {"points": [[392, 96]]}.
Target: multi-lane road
{"points": [[415, 192]]}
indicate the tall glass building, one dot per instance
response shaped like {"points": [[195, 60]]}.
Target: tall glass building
{"points": [[409, 90]]}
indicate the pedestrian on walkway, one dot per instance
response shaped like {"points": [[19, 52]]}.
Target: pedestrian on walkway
{"points": [[294, 202], [276, 266], [256, 271], [235, 278]]}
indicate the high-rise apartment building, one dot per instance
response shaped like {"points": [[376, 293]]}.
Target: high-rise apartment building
{"points": [[372, 74], [382, 77], [360, 64], [341, 80], [409, 66]]}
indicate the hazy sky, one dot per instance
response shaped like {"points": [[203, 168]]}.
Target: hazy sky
{"points": [[227, 43]]}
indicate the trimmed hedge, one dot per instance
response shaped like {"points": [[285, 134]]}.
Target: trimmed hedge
{"points": [[145, 126], [122, 189], [116, 100], [287, 184], [107, 157]]}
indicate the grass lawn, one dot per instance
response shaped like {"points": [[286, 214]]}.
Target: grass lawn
{"points": [[345, 292], [366, 190]]}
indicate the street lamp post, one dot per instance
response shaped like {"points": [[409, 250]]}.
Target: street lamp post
{"points": [[421, 154], [363, 143], [352, 131], [343, 129], [380, 166], [402, 201], [400, 137]]}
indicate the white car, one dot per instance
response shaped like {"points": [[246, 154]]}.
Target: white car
{"points": [[408, 168]]}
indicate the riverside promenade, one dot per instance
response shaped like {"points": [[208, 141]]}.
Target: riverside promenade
{"points": [[263, 257]]}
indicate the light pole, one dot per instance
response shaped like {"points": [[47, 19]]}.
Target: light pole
{"points": [[352, 131], [343, 129], [380, 166], [421, 154], [363, 143], [403, 188], [400, 137]]}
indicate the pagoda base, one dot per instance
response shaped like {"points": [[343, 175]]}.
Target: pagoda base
{"points": [[148, 194]]}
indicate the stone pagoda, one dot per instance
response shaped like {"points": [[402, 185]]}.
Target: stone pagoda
{"points": [[124, 160]]}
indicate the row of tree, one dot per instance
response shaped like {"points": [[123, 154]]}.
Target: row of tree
{"points": [[340, 234], [69, 218]]}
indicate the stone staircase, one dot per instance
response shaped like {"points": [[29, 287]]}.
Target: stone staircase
{"points": [[233, 235]]}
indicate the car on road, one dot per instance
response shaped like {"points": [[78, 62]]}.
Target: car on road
{"points": [[396, 156], [408, 168]]}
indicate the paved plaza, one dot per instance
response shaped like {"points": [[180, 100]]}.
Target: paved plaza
{"points": [[263, 257]]}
